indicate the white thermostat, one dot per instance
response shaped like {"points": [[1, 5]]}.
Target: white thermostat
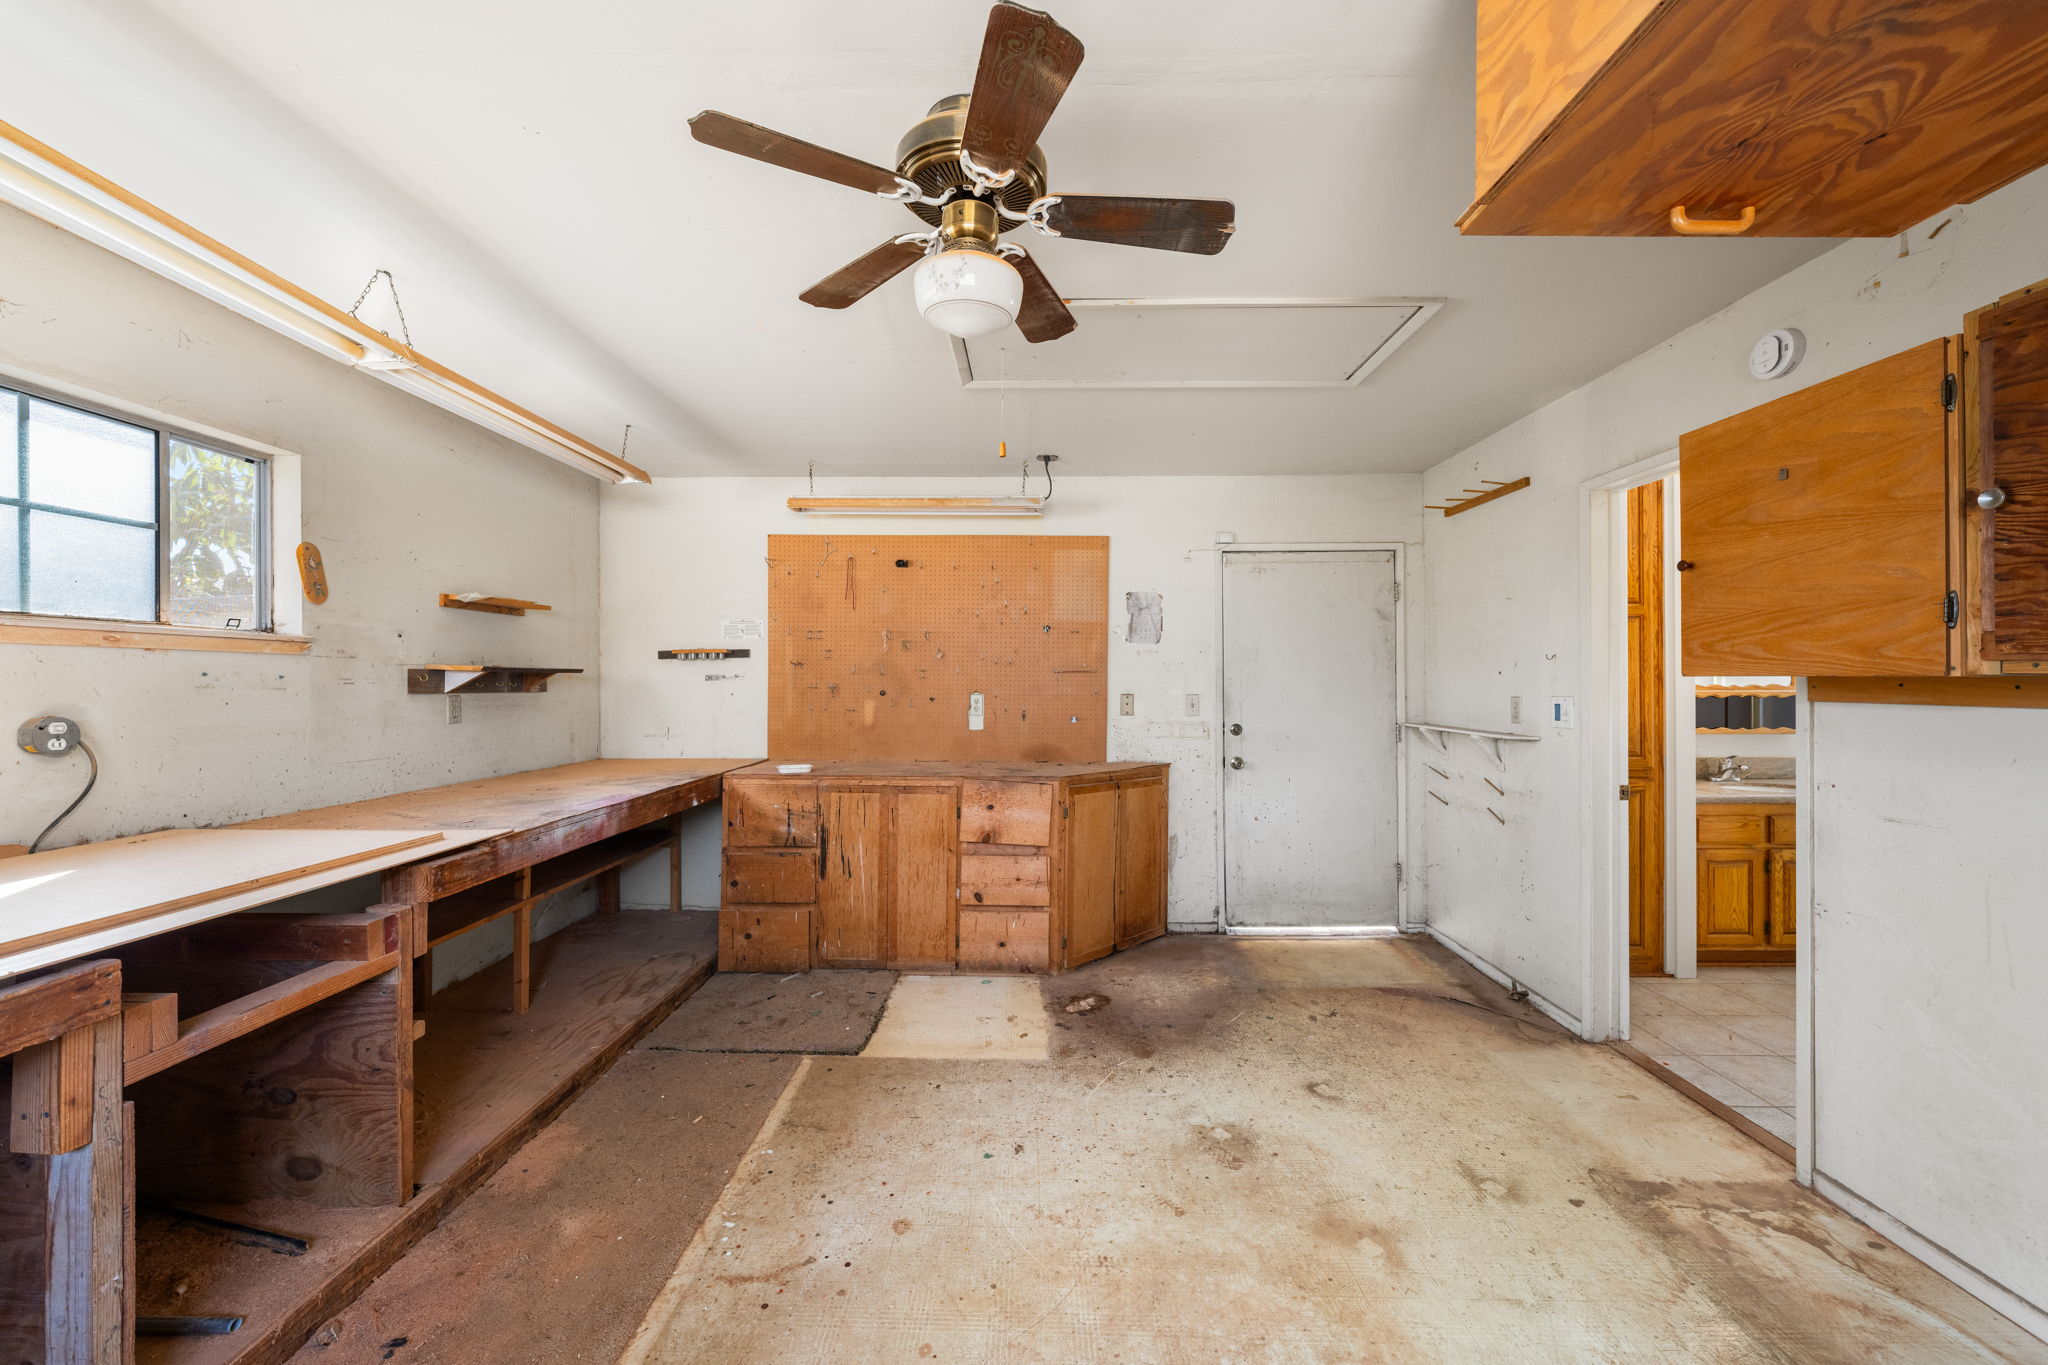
{"points": [[1776, 354]]}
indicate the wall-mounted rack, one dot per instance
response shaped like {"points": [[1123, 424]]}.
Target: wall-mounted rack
{"points": [[499, 606], [1482, 738], [435, 679], [1476, 496], [705, 654]]}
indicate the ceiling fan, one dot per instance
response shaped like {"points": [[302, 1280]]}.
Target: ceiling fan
{"points": [[971, 169]]}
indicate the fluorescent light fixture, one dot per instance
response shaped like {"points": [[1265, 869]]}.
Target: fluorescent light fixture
{"points": [[919, 507], [45, 183]]}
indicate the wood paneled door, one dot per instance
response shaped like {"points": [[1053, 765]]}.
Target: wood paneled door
{"points": [[1646, 790]]}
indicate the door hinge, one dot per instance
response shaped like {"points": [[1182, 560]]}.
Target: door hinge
{"points": [[1400, 874], [1948, 393], [1063, 810], [1951, 609], [1626, 794], [1397, 590]]}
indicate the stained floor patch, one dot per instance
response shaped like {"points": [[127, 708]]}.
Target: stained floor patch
{"points": [[819, 1013], [985, 1018], [1257, 1153]]}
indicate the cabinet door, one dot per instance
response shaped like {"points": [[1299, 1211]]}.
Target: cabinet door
{"points": [[851, 837], [1140, 861], [1091, 874], [762, 813], [924, 826], [1781, 912], [2009, 354], [1731, 906], [1816, 527]]}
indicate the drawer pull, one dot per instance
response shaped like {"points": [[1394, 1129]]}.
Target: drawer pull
{"points": [[1686, 225]]}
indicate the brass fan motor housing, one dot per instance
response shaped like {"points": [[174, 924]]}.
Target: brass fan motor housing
{"points": [[929, 156]]}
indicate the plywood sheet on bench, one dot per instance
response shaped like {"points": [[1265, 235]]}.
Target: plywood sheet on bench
{"points": [[69, 893], [876, 643]]}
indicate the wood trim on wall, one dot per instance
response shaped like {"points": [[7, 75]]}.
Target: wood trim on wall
{"points": [[2023, 690], [31, 630]]}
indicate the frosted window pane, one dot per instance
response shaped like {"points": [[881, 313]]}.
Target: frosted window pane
{"points": [[93, 463], [212, 534], [78, 567], [10, 559], [10, 447]]}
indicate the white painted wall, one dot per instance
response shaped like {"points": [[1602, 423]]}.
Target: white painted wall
{"points": [[404, 501], [1931, 1048], [682, 555]]}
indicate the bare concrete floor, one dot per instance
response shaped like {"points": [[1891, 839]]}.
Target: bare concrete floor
{"points": [[1272, 1151]]}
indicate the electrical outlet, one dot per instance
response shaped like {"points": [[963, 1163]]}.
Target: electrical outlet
{"points": [[1514, 710], [1127, 704], [1194, 703], [48, 735], [454, 710]]}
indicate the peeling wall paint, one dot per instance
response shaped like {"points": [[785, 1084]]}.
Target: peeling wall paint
{"points": [[711, 534], [1146, 618], [405, 502]]}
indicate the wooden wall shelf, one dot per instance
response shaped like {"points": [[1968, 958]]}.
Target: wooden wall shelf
{"points": [[436, 679], [1475, 496], [499, 606]]}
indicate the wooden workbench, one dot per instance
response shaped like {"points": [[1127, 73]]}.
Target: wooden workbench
{"points": [[281, 1072]]}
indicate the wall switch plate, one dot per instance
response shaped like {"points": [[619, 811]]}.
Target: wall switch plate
{"points": [[1514, 710], [1564, 712], [1127, 704], [1194, 703], [454, 710]]}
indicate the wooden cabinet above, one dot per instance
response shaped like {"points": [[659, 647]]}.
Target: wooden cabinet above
{"points": [[1854, 118]]}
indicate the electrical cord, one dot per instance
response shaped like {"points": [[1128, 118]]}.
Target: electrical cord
{"points": [[1046, 465], [91, 778]]}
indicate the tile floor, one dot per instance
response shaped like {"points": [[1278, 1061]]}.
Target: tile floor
{"points": [[1728, 1031]]}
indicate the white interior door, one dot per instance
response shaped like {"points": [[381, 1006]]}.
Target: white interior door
{"points": [[1310, 690]]}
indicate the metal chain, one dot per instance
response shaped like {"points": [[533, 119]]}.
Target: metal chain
{"points": [[812, 488], [625, 440], [404, 330]]}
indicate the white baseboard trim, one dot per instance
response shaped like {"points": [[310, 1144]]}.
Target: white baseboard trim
{"points": [[1313, 931], [1493, 973], [1958, 1272]]}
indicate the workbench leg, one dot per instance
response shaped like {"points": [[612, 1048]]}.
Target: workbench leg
{"points": [[675, 865], [522, 958], [608, 892]]}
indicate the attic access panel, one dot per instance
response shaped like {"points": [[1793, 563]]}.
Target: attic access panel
{"points": [[878, 644], [1201, 344]]}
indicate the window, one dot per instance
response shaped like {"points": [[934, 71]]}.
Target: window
{"points": [[104, 518]]}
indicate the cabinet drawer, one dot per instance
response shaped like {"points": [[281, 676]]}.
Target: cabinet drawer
{"points": [[1003, 879], [1006, 813], [771, 877], [771, 814], [1005, 940], [1731, 825], [767, 940], [1782, 827]]}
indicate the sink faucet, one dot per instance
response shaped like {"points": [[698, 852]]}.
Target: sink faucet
{"points": [[1729, 771]]}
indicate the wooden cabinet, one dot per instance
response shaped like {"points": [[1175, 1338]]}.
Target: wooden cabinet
{"points": [[1746, 883], [1891, 522], [1857, 118], [987, 867]]}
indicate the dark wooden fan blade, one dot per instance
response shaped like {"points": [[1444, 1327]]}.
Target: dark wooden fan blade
{"points": [[1202, 226], [730, 134], [855, 280], [1044, 315], [1026, 62]]}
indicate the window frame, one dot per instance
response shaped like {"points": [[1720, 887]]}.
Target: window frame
{"points": [[163, 434]]}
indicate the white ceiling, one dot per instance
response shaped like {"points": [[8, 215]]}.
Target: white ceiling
{"points": [[525, 170]]}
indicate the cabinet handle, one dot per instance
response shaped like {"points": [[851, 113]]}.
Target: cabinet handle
{"points": [[1685, 566], [1687, 226], [824, 836], [1991, 499]]}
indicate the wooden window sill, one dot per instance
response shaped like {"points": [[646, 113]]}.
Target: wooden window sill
{"points": [[62, 630]]}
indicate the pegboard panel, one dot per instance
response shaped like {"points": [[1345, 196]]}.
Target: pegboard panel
{"points": [[876, 645]]}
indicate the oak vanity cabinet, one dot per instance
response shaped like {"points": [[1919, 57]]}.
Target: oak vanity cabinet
{"points": [[933, 867], [1747, 882], [1891, 522], [1855, 118]]}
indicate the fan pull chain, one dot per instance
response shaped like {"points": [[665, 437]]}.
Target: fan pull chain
{"points": [[404, 329]]}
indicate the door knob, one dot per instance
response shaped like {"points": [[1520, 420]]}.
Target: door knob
{"points": [[1237, 729], [1991, 499], [1237, 763]]}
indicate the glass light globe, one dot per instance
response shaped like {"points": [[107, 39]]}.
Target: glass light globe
{"points": [[968, 293]]}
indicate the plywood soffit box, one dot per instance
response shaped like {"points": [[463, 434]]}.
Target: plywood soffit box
{"points": [[1889, 523], [1855, 118]]}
